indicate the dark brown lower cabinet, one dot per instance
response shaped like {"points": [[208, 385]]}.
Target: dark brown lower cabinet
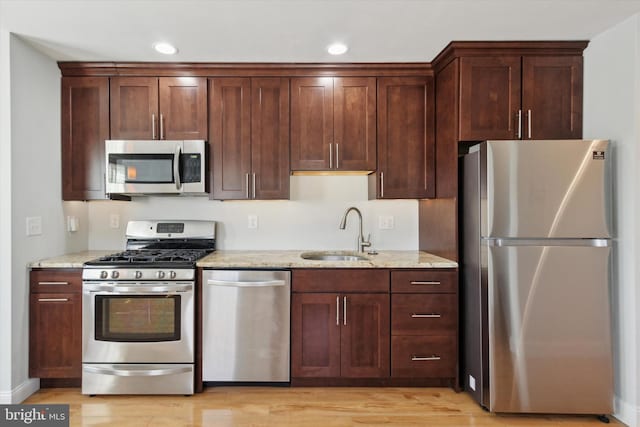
{"points": [[55, 323], [340, 335]]}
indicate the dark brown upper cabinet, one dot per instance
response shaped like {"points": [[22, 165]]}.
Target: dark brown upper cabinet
{"points": [[158, 108], [406, 150], [333, 124], [249, 137], [85, 127], [520, 97]]}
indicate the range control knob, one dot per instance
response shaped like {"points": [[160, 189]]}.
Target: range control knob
{"points": [[172, 274], [104, 274], [138, 274], [160, 274], [115, 274]]}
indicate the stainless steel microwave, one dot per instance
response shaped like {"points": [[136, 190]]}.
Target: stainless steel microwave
{"points": [[155, 167]]}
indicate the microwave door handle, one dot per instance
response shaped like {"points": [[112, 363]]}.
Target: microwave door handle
{"points": [[176, 167]]}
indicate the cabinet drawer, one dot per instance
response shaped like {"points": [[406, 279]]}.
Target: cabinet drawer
{"points": [[56, 280], [340, 280], [422, 314], [419, 281], [421, 357]]}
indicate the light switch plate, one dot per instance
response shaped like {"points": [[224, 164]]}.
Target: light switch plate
{"points": [[386, 222], [472, 383], [72, 224], [114, 221], [34, 225], [252, 221]]}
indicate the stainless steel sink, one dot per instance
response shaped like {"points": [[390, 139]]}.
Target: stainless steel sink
{"points": [[333, 256]]}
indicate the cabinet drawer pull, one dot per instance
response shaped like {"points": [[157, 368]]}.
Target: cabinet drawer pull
{"points": [[247, 183], [53, 283], [153, 126], [53, 299], [424, 358], [529, 122], [330, 156], [161, 126], [344, 311], [426, 316], [337, 157], [338, 310], [519, 115], [428, 282]]}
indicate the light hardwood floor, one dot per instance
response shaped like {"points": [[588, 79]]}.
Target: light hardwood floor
{"points": [[283, 406]]}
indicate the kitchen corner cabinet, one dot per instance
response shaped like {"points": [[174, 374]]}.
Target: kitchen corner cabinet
{"points": [[406, 139], [249, 138], [158, 108], [340, 324], [85, 127], [333, 124], [55, 323], [520, 97]]}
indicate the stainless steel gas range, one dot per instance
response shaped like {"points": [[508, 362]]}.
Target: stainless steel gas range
{"points": [[138, 307]]}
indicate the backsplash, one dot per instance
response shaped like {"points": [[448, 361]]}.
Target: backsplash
{"points": [[308, 221]]}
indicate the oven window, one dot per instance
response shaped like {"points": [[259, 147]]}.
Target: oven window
{"points": [[137, 318]]}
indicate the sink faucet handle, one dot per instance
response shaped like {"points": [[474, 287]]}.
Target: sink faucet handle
{"points": [[365, 243]]}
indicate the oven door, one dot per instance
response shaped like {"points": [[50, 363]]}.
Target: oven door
{"points": [[138, 322]]}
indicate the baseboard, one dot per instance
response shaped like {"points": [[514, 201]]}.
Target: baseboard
{"points": [[20, 393], [626, 412]]}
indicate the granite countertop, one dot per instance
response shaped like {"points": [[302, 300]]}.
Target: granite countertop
{"points": [[272, 259], [74, 260], [292, 259]]}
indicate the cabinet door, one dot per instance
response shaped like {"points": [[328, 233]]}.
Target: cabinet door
{"points": [[552, 97], [489, 98], [134, 108], [183, 108], [270, 138], [55, 335], [85, 127], [315, 335], [230, 137], [365, 336], [406, 148], [311, 123], [354, 127]]}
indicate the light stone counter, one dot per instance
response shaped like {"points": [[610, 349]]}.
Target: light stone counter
{"points": [[74, 260], [292, 259]]}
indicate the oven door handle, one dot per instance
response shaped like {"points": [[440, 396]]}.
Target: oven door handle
{"points": [[121, 290], [246, 284], [136, 371]]}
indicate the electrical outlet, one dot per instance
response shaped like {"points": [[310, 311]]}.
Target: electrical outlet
{"points": [[385, 222], [34, 225], [252, 221], [72, 223], [114, 221], [472, 383]]}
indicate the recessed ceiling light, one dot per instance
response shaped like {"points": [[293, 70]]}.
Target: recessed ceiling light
{"points": [[337, 48], [165, 48]]}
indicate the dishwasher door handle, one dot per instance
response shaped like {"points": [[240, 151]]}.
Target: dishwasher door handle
{"points": [[246, 284]]}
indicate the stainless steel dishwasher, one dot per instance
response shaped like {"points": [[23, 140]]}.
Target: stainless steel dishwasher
{"points": [[245, 325]]}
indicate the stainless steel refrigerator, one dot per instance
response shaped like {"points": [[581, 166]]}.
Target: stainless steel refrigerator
{"points": [[536, 256]]}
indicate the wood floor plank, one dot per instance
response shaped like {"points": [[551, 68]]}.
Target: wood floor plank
{"points": [[284, 407]]}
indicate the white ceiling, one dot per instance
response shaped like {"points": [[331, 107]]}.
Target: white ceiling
{"points": [[295, 30]]}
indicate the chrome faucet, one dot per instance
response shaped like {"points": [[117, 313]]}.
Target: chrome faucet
{"points": [[343, 224]]}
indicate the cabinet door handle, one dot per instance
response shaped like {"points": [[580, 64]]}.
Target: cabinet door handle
{"points": [[330, 156], [381, 184], [344, 311], [424, 358], [246, 176], [427, 282], [338, 310], [53, 283], [426, 316], [519, 124], [161, 126], [153, 126], [337, 157], [253, 186], [53, 299], [529, 122]]}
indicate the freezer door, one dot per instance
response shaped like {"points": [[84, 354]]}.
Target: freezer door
{"points": [[549, 329], [546, 189]]}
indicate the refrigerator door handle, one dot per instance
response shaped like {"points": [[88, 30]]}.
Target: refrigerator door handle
{"points": [[500, 242]]}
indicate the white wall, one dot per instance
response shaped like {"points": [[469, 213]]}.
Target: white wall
{"points": [[308, 221], [611, 110], [35, 191]]}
